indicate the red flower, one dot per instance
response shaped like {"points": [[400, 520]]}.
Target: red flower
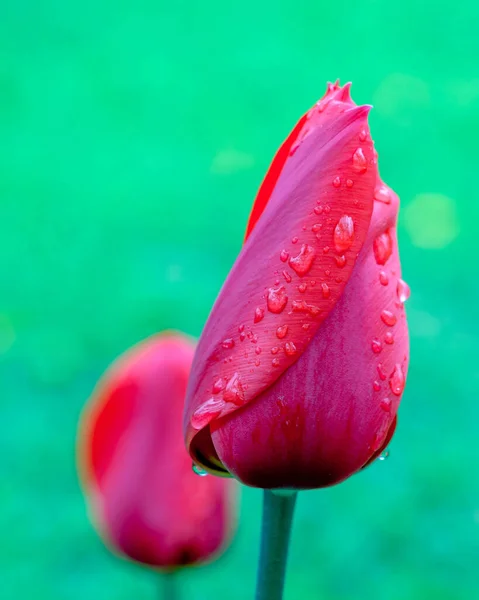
{"points": [[299, 371], [145, 500]]}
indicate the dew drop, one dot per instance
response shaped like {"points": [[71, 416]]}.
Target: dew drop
{"points": [[205, 413], [340, 261], [302, 263], [306, 326], [281, 331], [381, 373], [327, 209], [386, 404], [403, 291], [325, 290], [316, 227], [376, 346], [302, 307], [275, 362], [382, 194], [376, 386], [228, 344], [294, 147], [254, 339], [276, 299], [318, 210], [274, 350], [363, 135], [360, 164], [197, 470], [218, 386], [397, 381], [384, 455], [337, 182], [257, 362], [287, 277], [290, 349], [388, 318], [242, 336], [302, 287], [312, 283], [258, 314], [383, 247], [389, 338], [234, 390], [240, 328], [257, 350], [294, 240], [284, 256], [326, 249], [383, 278]]}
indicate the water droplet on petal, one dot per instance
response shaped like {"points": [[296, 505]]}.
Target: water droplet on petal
{"points": [[302, 307], [318, 209], [382, 194], [316, 227], [349, 183], [383, 247], [383, 278], [240, 328], [257, 362], [257, 350], [360, 164], [302, 287], [397, 381], [389, 338], [344, 234], [205, 413], [284, 256], [363, 134], [388, 318], [325, 290], [376, 346], [242, 336], [197, 470], [403, 291], [376, 386], [290, 349], [384, 455], [258, 314], [234, 391], [381, 373], [274, 350], [337, 182], [305, 326], [386, 404], [287, 277], [326, 249], [275, 362], [340, 261], [281, 331], [218, 386], [277, 299], [302, 263], [294, 240], [228, 344]]}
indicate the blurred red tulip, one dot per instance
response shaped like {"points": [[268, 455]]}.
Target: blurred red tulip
{"points": [[299, 371], [145, 499]]}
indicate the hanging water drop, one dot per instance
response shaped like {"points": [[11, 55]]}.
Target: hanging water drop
{"points": [[397, 380], [197, 470], [384, 455], [403, 291]]}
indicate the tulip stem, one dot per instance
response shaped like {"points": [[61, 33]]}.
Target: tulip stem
{"points": [[169, 586], [278, 509]]}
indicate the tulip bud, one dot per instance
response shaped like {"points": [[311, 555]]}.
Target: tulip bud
{"points": [[145, 500], [298, 374]]}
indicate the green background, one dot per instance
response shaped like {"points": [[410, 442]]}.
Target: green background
{"points": [[133, 137]]}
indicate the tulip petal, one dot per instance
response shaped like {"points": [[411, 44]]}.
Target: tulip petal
{"points": [[145, 499], [292, 270], [352, 374]]}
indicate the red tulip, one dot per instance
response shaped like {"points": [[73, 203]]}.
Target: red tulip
{"points": [[301, 366], [145, 499]]}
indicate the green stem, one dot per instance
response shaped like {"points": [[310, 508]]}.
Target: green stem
{"points": [[169, 586], [278, 509]]}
